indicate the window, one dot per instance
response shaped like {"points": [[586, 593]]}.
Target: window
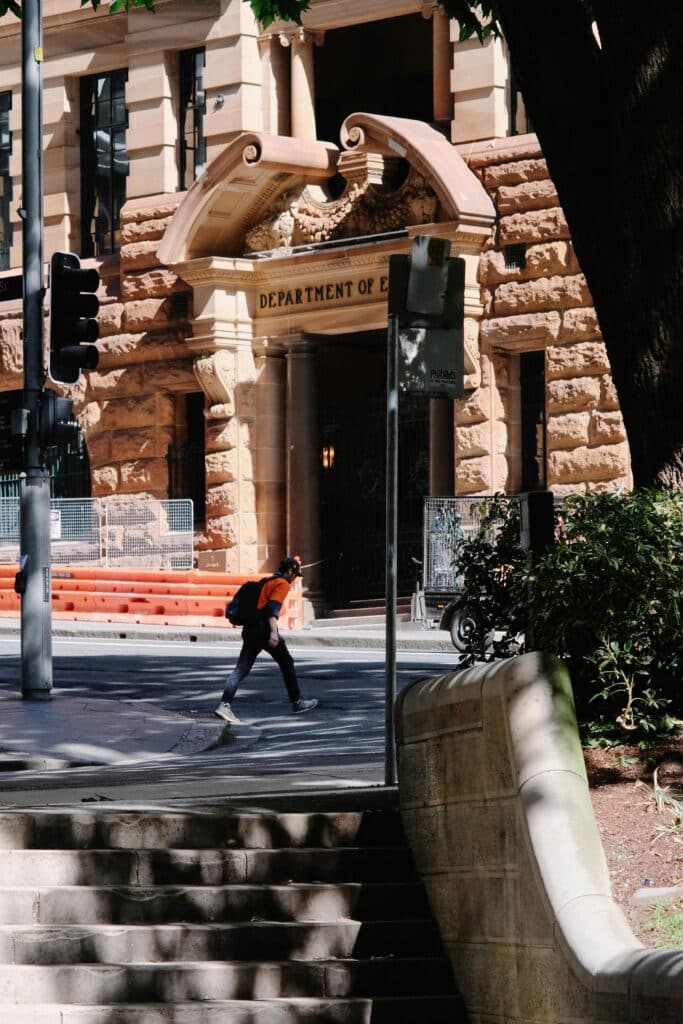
{"points": [[5, 180], [519, 120], [104, 161], [515, 256], [192, 144], [186, 458], [532, 394]]}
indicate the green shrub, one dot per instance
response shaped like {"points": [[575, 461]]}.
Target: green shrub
{"points": [[607, 597]]}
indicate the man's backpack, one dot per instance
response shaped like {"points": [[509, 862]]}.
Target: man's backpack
{"points": [[242, 610]]}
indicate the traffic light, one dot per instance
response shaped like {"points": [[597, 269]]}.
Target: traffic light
{"points": [[73, 327]]}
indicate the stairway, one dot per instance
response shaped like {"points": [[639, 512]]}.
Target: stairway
{"points": [[122, 916]]}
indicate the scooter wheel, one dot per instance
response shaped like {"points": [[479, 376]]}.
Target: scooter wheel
{"points": [[462, 626]]}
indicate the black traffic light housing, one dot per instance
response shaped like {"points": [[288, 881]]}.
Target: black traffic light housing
{"points": [[73, 327]]}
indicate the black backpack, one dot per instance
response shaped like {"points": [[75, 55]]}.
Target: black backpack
{"points": [[242, 610]]}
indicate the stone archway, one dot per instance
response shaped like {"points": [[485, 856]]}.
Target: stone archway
{"points": [[275, 252]]}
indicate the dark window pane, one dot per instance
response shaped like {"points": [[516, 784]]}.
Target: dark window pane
{"points": [[191, 142], [104, 161]]}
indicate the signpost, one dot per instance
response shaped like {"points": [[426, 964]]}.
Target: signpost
{"points": [[425, 355]]}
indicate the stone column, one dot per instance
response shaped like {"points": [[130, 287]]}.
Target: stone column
{"points": [[441, 448], [303, 501], [277, 87], [152, 133], [302, 87], [442, 50]]}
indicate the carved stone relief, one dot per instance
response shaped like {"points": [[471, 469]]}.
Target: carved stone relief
{"points": [[307, 215], [216, 376]]}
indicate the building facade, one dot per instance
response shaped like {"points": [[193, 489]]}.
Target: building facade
{"points": [[240, 192]]}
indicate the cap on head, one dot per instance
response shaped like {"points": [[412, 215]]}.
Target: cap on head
{"points": [[290, 565]]}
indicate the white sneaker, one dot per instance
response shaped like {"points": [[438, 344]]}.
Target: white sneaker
{"points": [[300, 707], [225, 712]]}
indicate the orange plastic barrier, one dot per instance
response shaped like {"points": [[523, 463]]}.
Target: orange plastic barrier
{"points": [[190, 598]]}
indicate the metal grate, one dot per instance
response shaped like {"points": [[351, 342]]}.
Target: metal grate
{"points": [[447, 520], [149, 534]]}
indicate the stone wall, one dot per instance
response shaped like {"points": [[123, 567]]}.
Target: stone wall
{"points": [[544, 305], [495, 803]]}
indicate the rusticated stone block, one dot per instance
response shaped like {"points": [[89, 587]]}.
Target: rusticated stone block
{"points": [[124, 381], [562, 491], [522, 328], [151, 346], [550, 258], [585, 464], [543, 260], [474, 439], [144, 231], [142, 411], [136, 444], [149, 208], [109, 319], [221, 467], [609, 486], [585, 358], [515, 173], [104, 481], [222, 499], [99, 448], [573, 395], [568, 431], [146, 315], [90, 418], [222, 436], [528, 195], [609, 400], [170, 376], [476, 408], [143, 475], [547, 293], [137, 256], [151, 284], [11, 349], [534, 226], [579, 324], [222, 531], [473, 476], [606, 428]]}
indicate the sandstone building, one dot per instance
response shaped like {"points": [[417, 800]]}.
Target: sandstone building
{"points": [[240, 191]]}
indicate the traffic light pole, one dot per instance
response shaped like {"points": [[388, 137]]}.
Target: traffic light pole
{"points": [[36, 609]]}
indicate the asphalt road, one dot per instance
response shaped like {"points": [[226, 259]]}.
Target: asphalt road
{"points": [[343, 737]]}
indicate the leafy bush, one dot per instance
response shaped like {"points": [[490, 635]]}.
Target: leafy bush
{"points": [[607, 597]]}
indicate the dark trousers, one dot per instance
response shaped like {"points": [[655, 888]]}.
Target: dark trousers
{"points": [[255, 640]]}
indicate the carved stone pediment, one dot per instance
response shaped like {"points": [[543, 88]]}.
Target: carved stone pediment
{"points": [[369, 205]]}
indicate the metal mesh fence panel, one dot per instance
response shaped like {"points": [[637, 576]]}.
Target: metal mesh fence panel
{"points": [[76, 531], [149, 534], [446, 521], [9, 530]]}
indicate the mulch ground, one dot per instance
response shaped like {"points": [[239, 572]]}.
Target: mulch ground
{"points": [[643, 841]]}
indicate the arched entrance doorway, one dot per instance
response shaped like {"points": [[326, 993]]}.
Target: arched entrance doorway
{"points": [[290, 281]]}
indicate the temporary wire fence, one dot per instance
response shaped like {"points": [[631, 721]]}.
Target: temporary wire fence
{"points": [[447, 521], [121, 532]]}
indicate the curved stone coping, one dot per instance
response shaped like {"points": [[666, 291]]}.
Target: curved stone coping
{"points": [[547, 774]]}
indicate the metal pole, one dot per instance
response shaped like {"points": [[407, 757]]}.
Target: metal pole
{"points": [[36, 610], [391, 546]]}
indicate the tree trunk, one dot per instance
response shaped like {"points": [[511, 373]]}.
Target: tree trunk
{"points": [[609, 123]]}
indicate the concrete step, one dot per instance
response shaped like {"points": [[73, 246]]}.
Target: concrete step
{"points": [[254, 940], [425, 1009], [180, 982], [120, 829], [205, 866], [208, 904]]}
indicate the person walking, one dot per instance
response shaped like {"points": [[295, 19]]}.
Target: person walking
{"points": [[262, 635]]}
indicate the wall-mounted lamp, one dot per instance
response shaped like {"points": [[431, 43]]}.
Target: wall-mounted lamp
{"points": [[327, 456]]}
